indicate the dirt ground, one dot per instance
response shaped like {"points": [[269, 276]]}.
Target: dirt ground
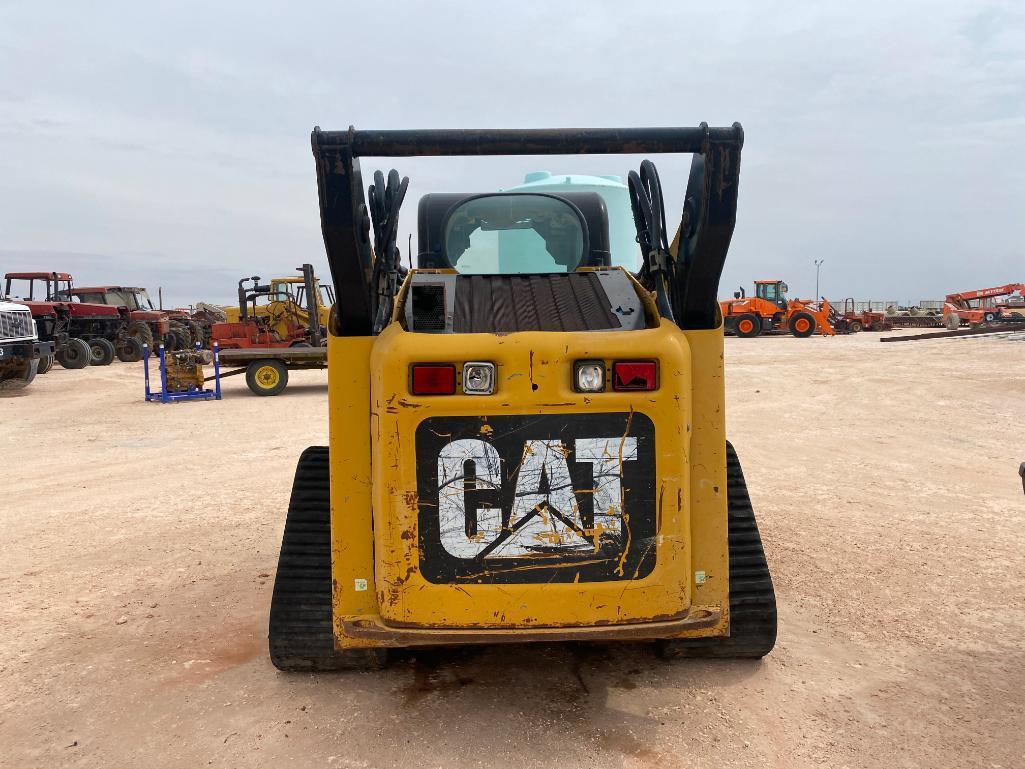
{"points": [[140, 542]]}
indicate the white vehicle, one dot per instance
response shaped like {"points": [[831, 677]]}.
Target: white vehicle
{"points": [[20, 348]]}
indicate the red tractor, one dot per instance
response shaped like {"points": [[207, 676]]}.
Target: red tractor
{"points": [[852, 321], [82, 333], [149, 326]]}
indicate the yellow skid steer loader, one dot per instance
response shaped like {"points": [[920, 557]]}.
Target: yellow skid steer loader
{"points": [[526, 443]]}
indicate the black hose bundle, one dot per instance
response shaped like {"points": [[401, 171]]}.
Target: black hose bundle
{"points": [[385, 202], [648, 206]]}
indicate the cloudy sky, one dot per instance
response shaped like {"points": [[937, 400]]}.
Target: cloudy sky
{"points": [[171, 147]]}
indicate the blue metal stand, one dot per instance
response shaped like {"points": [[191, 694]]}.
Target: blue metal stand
{"points": [[193, 393]]}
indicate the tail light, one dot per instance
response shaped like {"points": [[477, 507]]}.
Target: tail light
{"points": [[635, 375], [433, 379]]}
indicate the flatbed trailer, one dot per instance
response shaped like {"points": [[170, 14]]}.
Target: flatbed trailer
{"points": [[266, 368], [995, 328]]}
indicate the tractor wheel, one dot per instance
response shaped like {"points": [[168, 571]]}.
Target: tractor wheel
{"points": [[129, 350], [855, 326], [20, 378], [752, 599], [102, 351], [301, 634], [989, 317], [45, 364], [748, 325], [75, 354], [301, 344], [182, 336], [195, 333], [802, 324], [953, 321], [142, 333], [266, 377]]}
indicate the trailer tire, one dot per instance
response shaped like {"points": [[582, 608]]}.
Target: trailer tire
{"points": [[266, 376], [45, 364], [75, 354], [102, 351], [129, 350], [802, 324], [748, 326]]}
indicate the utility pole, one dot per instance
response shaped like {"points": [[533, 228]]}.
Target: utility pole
{"points": [[818, 264]]}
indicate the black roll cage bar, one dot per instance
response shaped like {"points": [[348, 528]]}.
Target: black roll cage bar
{"points": [[699, 249]]}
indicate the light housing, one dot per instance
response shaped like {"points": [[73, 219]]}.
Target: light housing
{"points": [[589, 376], [433, 379], [633, 375], [478, 378]]}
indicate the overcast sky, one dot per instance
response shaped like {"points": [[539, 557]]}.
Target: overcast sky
{"points": [[170, 147]]}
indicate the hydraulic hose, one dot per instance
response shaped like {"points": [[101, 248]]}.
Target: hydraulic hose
{"points": [[650, 220], [385, 202]]}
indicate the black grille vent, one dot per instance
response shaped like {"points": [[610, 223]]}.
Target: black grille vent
{"points": [[504, 304], [428, 307]]}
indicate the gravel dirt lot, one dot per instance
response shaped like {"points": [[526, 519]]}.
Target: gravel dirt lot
{"points": [[140, 542]]}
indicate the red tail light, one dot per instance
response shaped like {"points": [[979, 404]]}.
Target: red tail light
{"points": [[434, 379], [634, 375]]}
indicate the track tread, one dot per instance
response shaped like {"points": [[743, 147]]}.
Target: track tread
{"points": [[752, 598], [301, 632]]}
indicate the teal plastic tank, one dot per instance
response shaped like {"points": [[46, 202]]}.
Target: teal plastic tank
{"points": [[622, 234]]}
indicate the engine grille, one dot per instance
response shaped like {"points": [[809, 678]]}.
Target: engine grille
{"points": [[16, 324], [508, 303]]}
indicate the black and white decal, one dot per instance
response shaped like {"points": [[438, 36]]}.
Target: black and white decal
{"points": [[536, 498]]}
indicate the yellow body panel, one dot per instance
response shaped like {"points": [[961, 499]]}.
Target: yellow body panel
{"points": [[374, 505]]}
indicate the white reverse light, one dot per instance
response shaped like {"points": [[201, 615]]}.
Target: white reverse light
{"points": [[590, 376], [478, 378]]}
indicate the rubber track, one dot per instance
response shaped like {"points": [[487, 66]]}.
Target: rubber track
{"points": [[301, 636], [752, 599]]}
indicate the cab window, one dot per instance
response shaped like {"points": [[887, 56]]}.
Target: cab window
{"points": [[514, 233]]}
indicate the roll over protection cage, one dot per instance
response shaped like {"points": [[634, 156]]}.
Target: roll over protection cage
{"points": [[700, 247]]}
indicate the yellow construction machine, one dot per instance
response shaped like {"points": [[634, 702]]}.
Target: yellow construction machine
{"points": [[285, 305], [526, 443]]}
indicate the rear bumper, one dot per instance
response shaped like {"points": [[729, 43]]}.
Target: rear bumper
{"points": [[373, 629], [29, 349], [576, 509]]}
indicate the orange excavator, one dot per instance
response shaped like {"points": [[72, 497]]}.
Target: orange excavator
{"points": [[985, 305], [769, 310]]}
